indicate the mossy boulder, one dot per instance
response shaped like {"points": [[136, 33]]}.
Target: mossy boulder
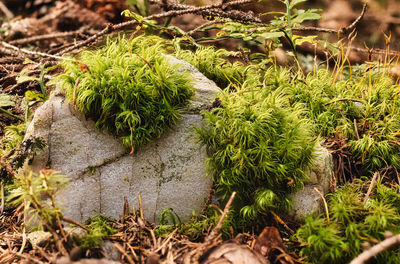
{"points": [[169, 172]]}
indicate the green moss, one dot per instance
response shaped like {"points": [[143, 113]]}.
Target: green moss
{"points": [[13, 136], [128, 87], [352, 223], [259, 145], [99, 228], [362, 109], [214, 65]]}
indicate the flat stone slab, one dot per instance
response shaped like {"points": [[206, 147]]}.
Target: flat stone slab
{"points": [[169, 172]]}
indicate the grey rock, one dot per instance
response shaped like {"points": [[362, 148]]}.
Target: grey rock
{"points": [[110, 251], [321, 171], [307, 200], [75, 231], [169, 172], [39, 238]]}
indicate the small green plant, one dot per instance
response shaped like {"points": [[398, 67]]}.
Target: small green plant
{"points": [[99, 228], [13, 136], [128, 87], [38, 191], [352, 223], [197, 227], [12, 139]]}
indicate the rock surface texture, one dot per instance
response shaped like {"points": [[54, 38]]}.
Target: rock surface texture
{"points": [[307, 200], [169, 172]]}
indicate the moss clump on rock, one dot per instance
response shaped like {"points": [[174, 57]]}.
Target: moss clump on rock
{"points": [[260, 144], [128, 87]]}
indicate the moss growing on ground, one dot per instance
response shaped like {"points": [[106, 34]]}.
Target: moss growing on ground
{"points": [[352, 224], [362, 109], [128, 87]]}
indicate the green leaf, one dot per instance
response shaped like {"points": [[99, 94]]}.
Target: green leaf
{"points": [[305, 16], [300, 40], [271, 35], [5, 100], [24, 77], [34, 96], [296, 2]]}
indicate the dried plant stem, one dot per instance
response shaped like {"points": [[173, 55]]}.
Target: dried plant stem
{"points": [[375, 250], [280, 221], [218, 227], [5, 165], [343, 30], [325, 204], [208, 202], [370, 187], [6, 11], [34, 53], [71, 221], [123, 252], [211, 236], [46, 37]]}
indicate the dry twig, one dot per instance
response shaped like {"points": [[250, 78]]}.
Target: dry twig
{"points": [[370, 187], [211, 236], [46, 37], [6, 11], [375, 250]]}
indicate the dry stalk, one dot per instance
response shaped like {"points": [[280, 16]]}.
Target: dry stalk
{"points": [[375, 250], [6, 11], [325, 204], [280, 221], [123, 252], [212, 235], [7, 167], [46, 37], [20, 51], [341, 31], [370, 187]]}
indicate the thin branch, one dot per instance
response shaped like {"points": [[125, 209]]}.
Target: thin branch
{"points": [[354, 24], [375, 250], [209, 23], [209, 10], [123, 252], [325, 204], [343, 30], [211, 236], [6, 11], [377, 51], [35, 53], [91, 39], [218, 227], [72, 221], [370, 187], [46, 37]]}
